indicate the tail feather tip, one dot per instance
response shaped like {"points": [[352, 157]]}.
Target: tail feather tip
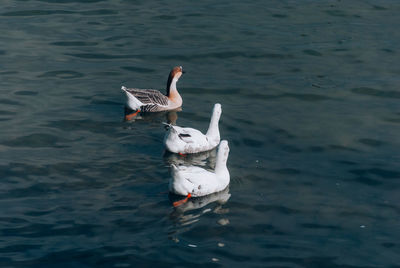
{"points": [[174, 167]]}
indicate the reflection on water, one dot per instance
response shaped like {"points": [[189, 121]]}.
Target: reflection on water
{"points": [[198, 202], [204, 159], [191, 211], [169, 116]]}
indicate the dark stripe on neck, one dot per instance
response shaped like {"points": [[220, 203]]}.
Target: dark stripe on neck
{"points": [[169, 84]]}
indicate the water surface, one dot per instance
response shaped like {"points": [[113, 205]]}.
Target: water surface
{"points": [[310, 101]]}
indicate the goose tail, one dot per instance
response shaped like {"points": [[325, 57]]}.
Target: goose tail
{"points": [[174, 168], [132, 102], [169, 126]]}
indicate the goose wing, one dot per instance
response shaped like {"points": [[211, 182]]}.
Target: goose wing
{"points": [[188, 135], [149, 96]]}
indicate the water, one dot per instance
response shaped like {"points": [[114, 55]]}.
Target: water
{"points": [[310, 101]]}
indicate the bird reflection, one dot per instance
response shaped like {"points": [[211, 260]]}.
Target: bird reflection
{"points": [[203, 159], [171, 116], [199, 202], [190, 212]]}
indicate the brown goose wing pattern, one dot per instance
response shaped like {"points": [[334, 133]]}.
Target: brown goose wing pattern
{"points": [[151, 99]]}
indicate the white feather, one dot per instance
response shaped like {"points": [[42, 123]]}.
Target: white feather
{"points": [[132, 102], [190, 140], [198, 181]]}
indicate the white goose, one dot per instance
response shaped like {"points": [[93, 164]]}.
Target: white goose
{"points": [[189, 140], [196, 181], [150, 100]]}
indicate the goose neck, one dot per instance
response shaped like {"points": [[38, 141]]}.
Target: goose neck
{"points": [[213, 130]]}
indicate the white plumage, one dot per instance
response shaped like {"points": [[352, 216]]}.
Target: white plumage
{"points": [[198, 181], [190, 140]]}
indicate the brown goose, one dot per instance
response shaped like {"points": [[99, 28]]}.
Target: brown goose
{"points": [[150, 100]]}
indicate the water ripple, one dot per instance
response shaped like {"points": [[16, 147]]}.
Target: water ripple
{"points": [[275, 208], [26, 93], [336, 13], [312, 52], [36, 140], [376, 92], [307, 262], [13, 221], [137, 69], [181, 57], [98, 12], [101, 56], [371, 142], [19, 248], [9, 102], [2, 112], [288, 171], [71, 1], [67, 74], [26, 13], [87, 125], [73, 43], [309, 97], [320, 226], [37, 230], [166, 17], [379, 172]]}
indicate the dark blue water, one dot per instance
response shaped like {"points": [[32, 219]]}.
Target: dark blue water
{"points": [[310, 97]]}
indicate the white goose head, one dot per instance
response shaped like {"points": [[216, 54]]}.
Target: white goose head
{"points": [[217, 111]]}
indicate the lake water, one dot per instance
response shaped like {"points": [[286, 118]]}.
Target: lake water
{"points": [[310, 97]]}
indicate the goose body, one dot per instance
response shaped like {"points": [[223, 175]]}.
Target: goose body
{"points": [[189, 140], [151, 100], [195, 181]]}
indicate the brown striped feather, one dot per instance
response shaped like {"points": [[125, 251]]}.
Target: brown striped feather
{"points": [[149, 96]]}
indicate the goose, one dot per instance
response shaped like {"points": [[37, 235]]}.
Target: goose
{"points": [[189, 140], [193, 181], [151, 100]]}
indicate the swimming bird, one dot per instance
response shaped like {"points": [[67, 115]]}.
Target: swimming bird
{"points": [[196, 181], [189, 140], [151, 100]]}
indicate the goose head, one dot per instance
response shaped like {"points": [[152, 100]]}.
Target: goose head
{"points": [[174, 75], [217, 111]]}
